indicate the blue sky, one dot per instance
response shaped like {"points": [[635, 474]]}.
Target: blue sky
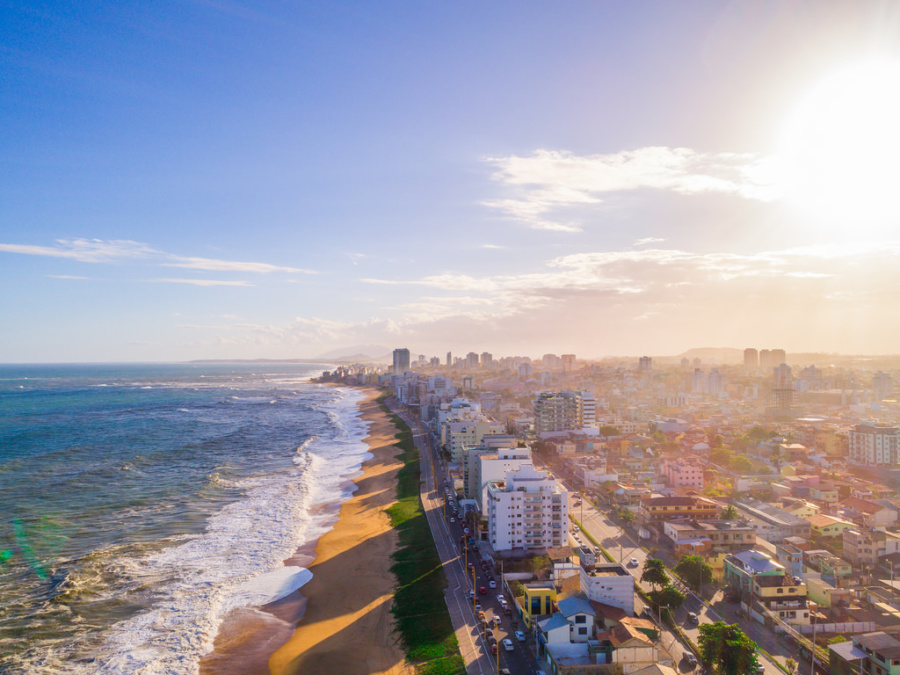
{"points": [[238, 180]]}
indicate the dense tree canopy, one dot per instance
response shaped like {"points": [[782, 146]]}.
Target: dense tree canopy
{"points": [[655, 573], [727, 649], [695, 571]]}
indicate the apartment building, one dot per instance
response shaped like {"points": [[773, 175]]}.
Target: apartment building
{"points": [[874, 444], [865, 548], [661, 509], [527, 510], [681, 473], [728, 535]]}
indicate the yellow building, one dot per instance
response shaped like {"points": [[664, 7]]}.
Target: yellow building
{"points": [[538, 601]]}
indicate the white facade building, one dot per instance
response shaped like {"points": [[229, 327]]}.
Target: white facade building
{"points": [[528, 510], [611, 584], [494, 466]]}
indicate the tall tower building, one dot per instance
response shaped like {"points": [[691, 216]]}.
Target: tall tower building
{"points": [[882, 386], [401, 361], [568, 362], [449, 359], [487, 360], [765, 359], [783, 390], [645, 363], [751, 358], [471, 361]]}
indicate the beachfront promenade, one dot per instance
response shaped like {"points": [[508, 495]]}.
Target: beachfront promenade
{"points": [[477, 658]]}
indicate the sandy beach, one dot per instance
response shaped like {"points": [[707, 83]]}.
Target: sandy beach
{"points": [[342, 616]]}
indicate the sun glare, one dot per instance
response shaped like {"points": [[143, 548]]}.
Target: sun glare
{"points": [[841, 149]]}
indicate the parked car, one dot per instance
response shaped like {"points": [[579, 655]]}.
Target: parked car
{"points": [[488, 633], [508, 644], [634, 562], [691, 659]]}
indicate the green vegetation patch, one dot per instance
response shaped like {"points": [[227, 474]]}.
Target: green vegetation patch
{"points": [[420, 612]]}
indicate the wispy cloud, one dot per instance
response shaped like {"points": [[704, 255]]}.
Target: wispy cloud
{"points": [[648, 240], [549, 180], [200, 282], [212, 265], [492, 246], [85, 250], [68, 276]]}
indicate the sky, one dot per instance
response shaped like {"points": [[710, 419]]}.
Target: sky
{"points": [[218, 179]]}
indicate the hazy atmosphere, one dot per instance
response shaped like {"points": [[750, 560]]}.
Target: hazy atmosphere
{"points": [[274, 180]]}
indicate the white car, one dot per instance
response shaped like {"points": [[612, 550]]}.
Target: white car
{"points": [[492, 583], [634, 562], [508, 644], [520, 636]]}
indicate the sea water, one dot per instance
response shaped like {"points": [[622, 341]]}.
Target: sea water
{"points": [[140, 503]]}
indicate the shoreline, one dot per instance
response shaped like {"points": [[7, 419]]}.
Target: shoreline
{"points": [[340, 621]]}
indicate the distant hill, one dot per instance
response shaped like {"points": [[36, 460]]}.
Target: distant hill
{"points": [[358, 354]]}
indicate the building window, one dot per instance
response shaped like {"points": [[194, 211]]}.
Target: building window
{"points": [[580, 619]]}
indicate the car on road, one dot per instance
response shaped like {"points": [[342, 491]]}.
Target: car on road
{"points": [[493, 647], [478, 607], [760, 668], [482, 591], [633, 563], [576, 529], [508, 644], [465, 530], [690, 659], [693, 618], [492, 583], [452, 519], [470, 594], [520, 636]]}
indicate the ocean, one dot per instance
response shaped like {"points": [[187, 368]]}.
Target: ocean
{"points": [[140, 503]]}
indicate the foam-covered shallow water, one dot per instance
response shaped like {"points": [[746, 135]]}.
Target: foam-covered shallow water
{"points": [[142, 503]]}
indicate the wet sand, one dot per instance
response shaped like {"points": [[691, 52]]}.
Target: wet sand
{"points": [[342, 615]]}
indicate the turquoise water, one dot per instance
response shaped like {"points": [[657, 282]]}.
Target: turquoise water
{"points": [[136, 501]]}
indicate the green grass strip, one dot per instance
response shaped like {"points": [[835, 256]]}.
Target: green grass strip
{"points": [[420, 613]]}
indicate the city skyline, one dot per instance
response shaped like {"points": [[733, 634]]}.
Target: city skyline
{"points": [[240, 181]]}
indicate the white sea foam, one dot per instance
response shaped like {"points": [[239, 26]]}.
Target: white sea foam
{"points": [[238, 561]]}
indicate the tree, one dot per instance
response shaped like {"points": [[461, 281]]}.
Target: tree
{"points": [[607, 430], [655, 573], [727, 649], [729, 512], [790, 665], [626, 515], [695, 571], [668, 597]]}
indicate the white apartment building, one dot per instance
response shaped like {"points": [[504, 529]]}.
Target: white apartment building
{"points": [[874, 444], [681, 473], [611, 584], [494, 466], [528, 510]]}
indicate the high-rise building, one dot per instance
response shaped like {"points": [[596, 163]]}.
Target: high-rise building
{"points": [[882, 386], [449, 359], [751, 358], [874, 444], [401, 361], [568, 362], [487, 360], [765, 359], [528, 510], [564, 411], [471, 361], [715, 383], [645, 363], [783, 389]]}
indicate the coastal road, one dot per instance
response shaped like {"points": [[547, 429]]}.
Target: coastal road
{"points": [[472, 646]]}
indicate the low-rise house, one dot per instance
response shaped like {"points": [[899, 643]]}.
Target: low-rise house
{"points": [[871, 653], [625, 644], [765, 586], [537, 602], [580, 615], [829, 527], [772, 523], [688, 536], [867, 513]]}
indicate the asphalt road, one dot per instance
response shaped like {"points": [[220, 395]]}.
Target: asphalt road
{"points": [[474, 647]]}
